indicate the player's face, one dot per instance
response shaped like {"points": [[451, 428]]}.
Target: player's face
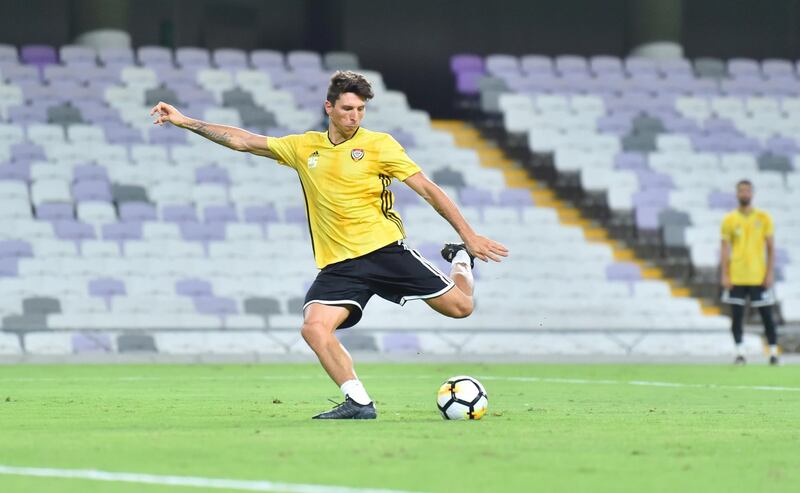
{"points": [[347, 113], [744, 193]]}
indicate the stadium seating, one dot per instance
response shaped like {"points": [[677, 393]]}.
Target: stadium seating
{"points": [[159, 238], [664, 139]]}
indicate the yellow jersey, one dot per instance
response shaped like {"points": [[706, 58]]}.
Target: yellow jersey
{"points": [[746, 235], [348, 203]]}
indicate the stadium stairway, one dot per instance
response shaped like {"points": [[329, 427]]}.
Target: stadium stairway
{"points": [[569, 213]]}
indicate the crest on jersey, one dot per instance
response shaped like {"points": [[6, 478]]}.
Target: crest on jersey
{"points": [[357, 154], [312, 159]]}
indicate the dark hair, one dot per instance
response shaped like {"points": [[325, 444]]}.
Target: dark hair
{"points": [[347, 81], [744, 182]]}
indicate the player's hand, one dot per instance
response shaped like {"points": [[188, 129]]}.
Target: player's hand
{"points": [[769, 280], [726, 282], [167, 113], [485, 249]]}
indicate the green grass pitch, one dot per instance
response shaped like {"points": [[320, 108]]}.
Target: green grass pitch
{"points": [[549, 427]]}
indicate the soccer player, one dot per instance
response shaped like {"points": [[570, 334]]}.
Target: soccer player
{"points": [[356, 236], [747, 267]]}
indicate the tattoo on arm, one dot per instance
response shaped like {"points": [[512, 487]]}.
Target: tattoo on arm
{"points": [[204, 130]]}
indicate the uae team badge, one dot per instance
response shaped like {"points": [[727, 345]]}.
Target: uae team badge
{"points": [[312, 159], [357, 154]]}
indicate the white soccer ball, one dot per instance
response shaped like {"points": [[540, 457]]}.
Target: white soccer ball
{"points": [[462, 397]]}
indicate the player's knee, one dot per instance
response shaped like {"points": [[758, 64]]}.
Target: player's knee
{"points": [[313, 332], [463, 308]]}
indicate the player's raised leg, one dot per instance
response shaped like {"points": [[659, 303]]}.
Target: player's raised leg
{"points": [[456, 303], [319, 326]]}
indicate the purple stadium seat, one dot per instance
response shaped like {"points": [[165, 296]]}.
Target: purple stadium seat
{"points": [[26, 115], [571, 64], [106, 288], [91, 342], [20, 171], [270, 60], [193, 287], [743, 67], [9, 267], [137, 212], [466, 62], [781, 145], [204, 232], [536, 64], [605, 64], [89, 172], [515, 197], [179, 213], [102, 116], [467, 83], [617, 123], [122, 134], [630, 161], [776, 68], [476, 197], [295, 214], [215, 305], [116, 56], [658, 197], [190, 56], [212, 174], [91, 190], [74, 230], [122, 231], [220, 214], [623, 271], [55, 211], [647, 217], [722, 200], [261, 214], [229, 58], [15, 249], [401, 343], [651, 181], [18, 74], [154, 55], [76, 54], [167, 135], [638, 66], [26, 152], [38, 55]]}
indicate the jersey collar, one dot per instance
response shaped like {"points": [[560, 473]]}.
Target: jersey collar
{"points": [[328, 135]]}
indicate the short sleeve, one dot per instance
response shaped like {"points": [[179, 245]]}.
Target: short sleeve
{"points": [[285, 149], [769, 227], [726, 233], [395, 161]]}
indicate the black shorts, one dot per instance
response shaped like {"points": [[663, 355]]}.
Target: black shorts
{"points": [[395, 272], [758, 295]]}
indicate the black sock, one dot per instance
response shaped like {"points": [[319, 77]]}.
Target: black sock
{"points": [[769, 324], [737, 319]]}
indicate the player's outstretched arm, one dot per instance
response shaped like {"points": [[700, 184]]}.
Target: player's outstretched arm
{"points": [[231, 137], [479, 246]]}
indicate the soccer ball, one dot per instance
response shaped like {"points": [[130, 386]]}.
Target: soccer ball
{"points": [[462, 397]]}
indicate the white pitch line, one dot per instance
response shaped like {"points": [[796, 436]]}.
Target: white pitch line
{"points": [[643, 383], [575, 381], [189, 481]]}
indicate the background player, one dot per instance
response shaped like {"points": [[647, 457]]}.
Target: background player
{"points": [[747, 267], [356, 236]]}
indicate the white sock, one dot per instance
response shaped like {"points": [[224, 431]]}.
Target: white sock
{"points": [[773, 350], [462, 257], [356, 391], [740, 349]]}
